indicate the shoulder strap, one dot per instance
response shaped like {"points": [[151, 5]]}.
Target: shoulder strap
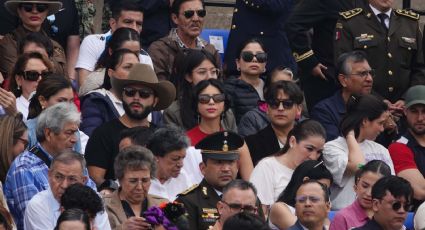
{"points": [[37, 151]]}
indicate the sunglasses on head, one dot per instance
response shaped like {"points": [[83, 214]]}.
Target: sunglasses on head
{"points": [[248, 56], [38, 6], [205, 98], [143, 93], [32, 75], [189, 13], [286, 104]]}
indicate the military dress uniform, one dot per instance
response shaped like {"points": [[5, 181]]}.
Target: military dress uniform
{"points": [[201, 200], [394, 52], [265, 20]]}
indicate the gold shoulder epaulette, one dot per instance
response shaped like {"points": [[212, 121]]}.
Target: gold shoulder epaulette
{"points": [[189, 189], [351, 13], [407, 13]]}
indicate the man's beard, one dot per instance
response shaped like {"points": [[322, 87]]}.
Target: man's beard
{"points": [[417, 132], [136, 115]]}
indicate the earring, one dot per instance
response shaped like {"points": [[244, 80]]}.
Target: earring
{"points": [[238, 69], [199, 119], [19, 87], [264, 70]]}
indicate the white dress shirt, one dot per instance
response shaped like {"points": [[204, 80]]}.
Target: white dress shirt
{"points": [[43, 211]]}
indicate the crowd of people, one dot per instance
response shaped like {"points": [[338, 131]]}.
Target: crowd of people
{"points": [[316, 107]]}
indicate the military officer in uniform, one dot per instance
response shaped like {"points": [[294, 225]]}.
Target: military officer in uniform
{"points": [[392, 41], [219, 167]]}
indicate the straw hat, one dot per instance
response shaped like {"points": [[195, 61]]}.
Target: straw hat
{"points": [[53, 6]]}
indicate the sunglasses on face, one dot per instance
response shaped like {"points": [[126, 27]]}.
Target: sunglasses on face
{"points": [[189, 13], [38, 6], [248, 56], [32, 75], [205, 98], [143, 93], [241, 207], [286, 104], [397, 205], [303, 199]]}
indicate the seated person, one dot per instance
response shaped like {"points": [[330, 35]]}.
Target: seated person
{"points": [[169, 146], [134, 168], [188, 15], [238, 196], [314, 213], [135, 136], [191, 67], [360, 126], [257, 119], [247, 89], [282, 213], [272, 174], [73, 218], [246, 221], [284, 105], [391, 201], [359, 212]]}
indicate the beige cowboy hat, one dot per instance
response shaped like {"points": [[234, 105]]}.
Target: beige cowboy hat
{"points": [[142, 74], [53, 6]]}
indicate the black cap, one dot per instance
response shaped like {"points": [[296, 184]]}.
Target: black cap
{"points": [[222, 145]]}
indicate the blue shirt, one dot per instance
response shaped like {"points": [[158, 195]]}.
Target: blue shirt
{"points": [[329, 113], [27, 176]]}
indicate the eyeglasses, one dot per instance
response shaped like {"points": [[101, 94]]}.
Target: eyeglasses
{"points": [[302, 199], [286, 104], [397, 205], [205, 98], [365, 73], [241, 207], [32, 75], [61, 178], [24, 141], [248, 56], [38, 6], [189, 13], [143, 93]]}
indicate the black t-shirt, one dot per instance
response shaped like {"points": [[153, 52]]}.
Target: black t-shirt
{"points": [[102, 147]]}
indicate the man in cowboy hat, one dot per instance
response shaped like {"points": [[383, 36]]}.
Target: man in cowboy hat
{"points": [[140, 93], [219, 167]]}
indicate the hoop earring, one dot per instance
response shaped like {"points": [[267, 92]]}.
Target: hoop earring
{"points": [[18, 87]]}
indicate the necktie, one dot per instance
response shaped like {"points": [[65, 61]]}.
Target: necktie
{"points": [[382, 17]]}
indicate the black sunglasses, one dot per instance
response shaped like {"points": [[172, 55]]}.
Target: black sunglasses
{"points": [[38, 6], [205, 98], [248, 56], [397, 205], [143, 93], [189, 13], [241, 207], [32, 75], [287, 104]]}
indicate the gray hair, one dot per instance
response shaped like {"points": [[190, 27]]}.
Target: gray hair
{"points": [[55, 118], [68, 157], [345, 60], [168, 139], [134, 158]]}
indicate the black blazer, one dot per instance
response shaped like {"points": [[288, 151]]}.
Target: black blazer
{"points": [[262, 144]]}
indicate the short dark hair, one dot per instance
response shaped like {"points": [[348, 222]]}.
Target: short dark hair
{"points": [[123, 5], [324, 188], [74, 214], [175, 7], [375, 166], [289, 88], [314, 170], [69, 156], [249, 41], [397, 186], [139, 135], [302, 131], [343, 61], [167, 139], [82, 197], [241, 185], [245, 221], [39, 39], [360, 107]]}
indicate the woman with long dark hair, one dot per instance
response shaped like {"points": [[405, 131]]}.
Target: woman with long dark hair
{"points": [[363, 122]]}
